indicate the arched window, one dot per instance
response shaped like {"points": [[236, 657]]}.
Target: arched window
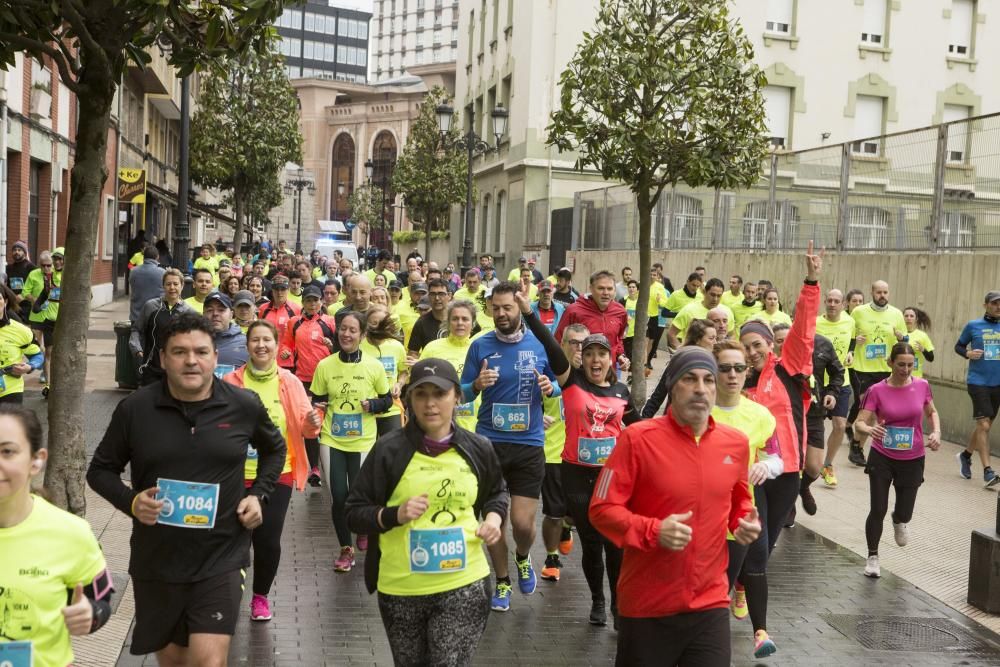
{"points": [[498, 222], [384, 161], [484, 225], [686, 227], [342, 176]]}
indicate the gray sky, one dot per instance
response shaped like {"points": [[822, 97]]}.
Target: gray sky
{"points": [[365, 5]]}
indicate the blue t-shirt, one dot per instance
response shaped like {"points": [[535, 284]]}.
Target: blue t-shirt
{"points": [[982, 335], [511, 410]]}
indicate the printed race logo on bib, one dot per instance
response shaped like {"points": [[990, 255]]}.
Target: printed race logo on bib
{"points": [[17, 283], [511, 417], [437, 550], [875, 351], [898, 437], [16, 654], [389, 364], [466, 409], [187, 504], [991, 351], [222, 369], [55, 293], [595, 451]]}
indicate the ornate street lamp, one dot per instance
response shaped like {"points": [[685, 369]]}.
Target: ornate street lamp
{"points": [[296, 185], [474, 145]]}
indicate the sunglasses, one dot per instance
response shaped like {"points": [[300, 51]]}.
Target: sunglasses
{"points": [[45, 266], [726, 368]]}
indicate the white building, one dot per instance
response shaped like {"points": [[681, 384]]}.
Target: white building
{"points": [[408, 33], [838, 71]]}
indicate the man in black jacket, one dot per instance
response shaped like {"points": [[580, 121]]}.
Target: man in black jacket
{"points": [[826, 381], [185, 439]]}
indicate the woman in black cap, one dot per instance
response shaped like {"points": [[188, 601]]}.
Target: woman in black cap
{"points": [[433, 493]]}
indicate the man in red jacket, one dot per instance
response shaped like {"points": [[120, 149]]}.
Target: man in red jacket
{"points": [[601, 314], [669, 491]]}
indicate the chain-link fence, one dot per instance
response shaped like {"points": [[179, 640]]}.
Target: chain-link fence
{"points": [[936, 189]]}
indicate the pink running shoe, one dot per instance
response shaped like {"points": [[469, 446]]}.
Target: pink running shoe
{"points": [[346, 560], [362, 543], [260, 608]]}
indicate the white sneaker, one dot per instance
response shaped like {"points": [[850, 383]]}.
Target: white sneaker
{"points": [[902, 532], [871, 567]]}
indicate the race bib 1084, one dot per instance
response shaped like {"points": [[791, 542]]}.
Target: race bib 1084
{"points": [[187, 504]]}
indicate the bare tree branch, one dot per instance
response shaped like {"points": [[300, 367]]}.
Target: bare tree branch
{"points": [[36, 47], [79, 23]]}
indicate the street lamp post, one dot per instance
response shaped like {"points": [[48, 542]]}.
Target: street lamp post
{"points": [[474, 145], [369, 170], [295, 186]]}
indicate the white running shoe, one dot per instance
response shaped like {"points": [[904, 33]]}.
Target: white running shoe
{"points": [[902, 532], [871, 567]]}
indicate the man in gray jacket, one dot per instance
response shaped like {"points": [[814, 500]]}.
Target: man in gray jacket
{"points": [[229, 338], [149, 328], [145, 282]]}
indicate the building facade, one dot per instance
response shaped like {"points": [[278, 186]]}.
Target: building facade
{"points": [[326, 42], [409, 33], [841, 71]]}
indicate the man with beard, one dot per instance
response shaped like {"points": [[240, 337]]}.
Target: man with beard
{"points": [[510, 369], [17, 273]]}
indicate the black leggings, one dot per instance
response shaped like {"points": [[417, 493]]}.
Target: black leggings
{"points": [[693, 639], [906, 498], [15, 398], [342, 468], [774, 499], [312, 444], [266, 539], [598, 552], [860, 383], [386, 425]]}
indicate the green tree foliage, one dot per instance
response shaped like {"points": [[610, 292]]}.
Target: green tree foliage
{"points": [[430, 177], [90, 43], [663, 92], [245, 130]]}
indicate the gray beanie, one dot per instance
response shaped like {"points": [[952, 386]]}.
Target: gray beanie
{"points": [[686, 359], [758, 327]]}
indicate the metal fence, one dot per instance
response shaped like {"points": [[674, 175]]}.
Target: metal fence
{"points": [[935, 189]]}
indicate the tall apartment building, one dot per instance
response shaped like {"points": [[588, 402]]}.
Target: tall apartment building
{"points": [[407, 33], [838, 71], [323, 41]]}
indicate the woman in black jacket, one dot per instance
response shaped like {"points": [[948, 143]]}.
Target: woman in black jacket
{"points": [[433, 493]]}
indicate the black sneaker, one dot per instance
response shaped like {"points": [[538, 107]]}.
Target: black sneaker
{"points": [[856, 455], [598, 616], [790, 519], [808, 502]]}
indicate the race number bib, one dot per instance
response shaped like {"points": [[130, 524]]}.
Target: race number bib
{"points": [[55, 293], [347, 425], [466, 409], [898, 438], [16, 654], [511, 417], [594, 451], [875, 351], [437, 550], [389, 364], [222, 369], [661, 321], [17, 283], [991, 351], [187, 504], [252, 454]]}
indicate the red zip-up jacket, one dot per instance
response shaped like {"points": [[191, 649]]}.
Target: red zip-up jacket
{"points": [[659, 468], [784, 380], [303, 338], [611, 322], [280, 316]]}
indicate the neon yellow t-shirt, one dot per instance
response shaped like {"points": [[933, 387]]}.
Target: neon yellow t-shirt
{"points": [[16, 342], [387, 274], [199, 306], [921, 337], [344, 386], [777, 317], [295, 298], [515, 274], [332, 309], [696, 310], [212, 265], [730, 299], [744, 314], [630, 304], [269, 393], [658, 298], [839, 333], [454, 560], [555, 435], [44, 558], [392, 355], [463, 293], [753, 420], [679, 299], [878, 328], [454, 350], [407, 317]]}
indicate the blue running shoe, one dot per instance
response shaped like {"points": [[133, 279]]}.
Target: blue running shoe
{"points": [[964, 464], [501, 596], [525, 576], [762, 645]]}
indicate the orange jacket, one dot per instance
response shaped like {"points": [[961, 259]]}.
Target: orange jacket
{"points": [[295, 402], [787, 379]]}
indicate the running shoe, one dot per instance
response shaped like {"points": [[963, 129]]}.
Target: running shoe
{"points": [[525, 576], [566, 541], [552, 566], [315, 479], [260, 608], [872, 568], [856, 455], [739, 604], [362, 543], [902, 533], [598, 616], [346, 560], [790, 519], [501, 596], [762, 645], [829, 478], [808, 502], [964, 464], [43, 378], [990, 478]]}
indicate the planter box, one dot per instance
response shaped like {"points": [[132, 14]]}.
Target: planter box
{"points": [[41, 103]]}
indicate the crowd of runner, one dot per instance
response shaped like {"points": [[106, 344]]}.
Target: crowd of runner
{"points": [[441, 410]]}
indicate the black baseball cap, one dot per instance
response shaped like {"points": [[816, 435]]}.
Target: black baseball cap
{"points": [[312, 291], [418, 287], [395, 284], [220, 298], [437, 372], [596, 339]]}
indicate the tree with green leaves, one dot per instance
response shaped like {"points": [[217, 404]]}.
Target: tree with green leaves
{"points": [[663, 92], [90, 43], [245, 130], [365, 206], [430, 174]]}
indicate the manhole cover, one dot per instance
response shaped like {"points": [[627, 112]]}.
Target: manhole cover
{"points": [[898, 635]]}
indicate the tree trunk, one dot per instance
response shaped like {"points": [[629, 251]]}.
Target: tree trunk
{"points": [[645, 205], [64, 477], [238, 213]]}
